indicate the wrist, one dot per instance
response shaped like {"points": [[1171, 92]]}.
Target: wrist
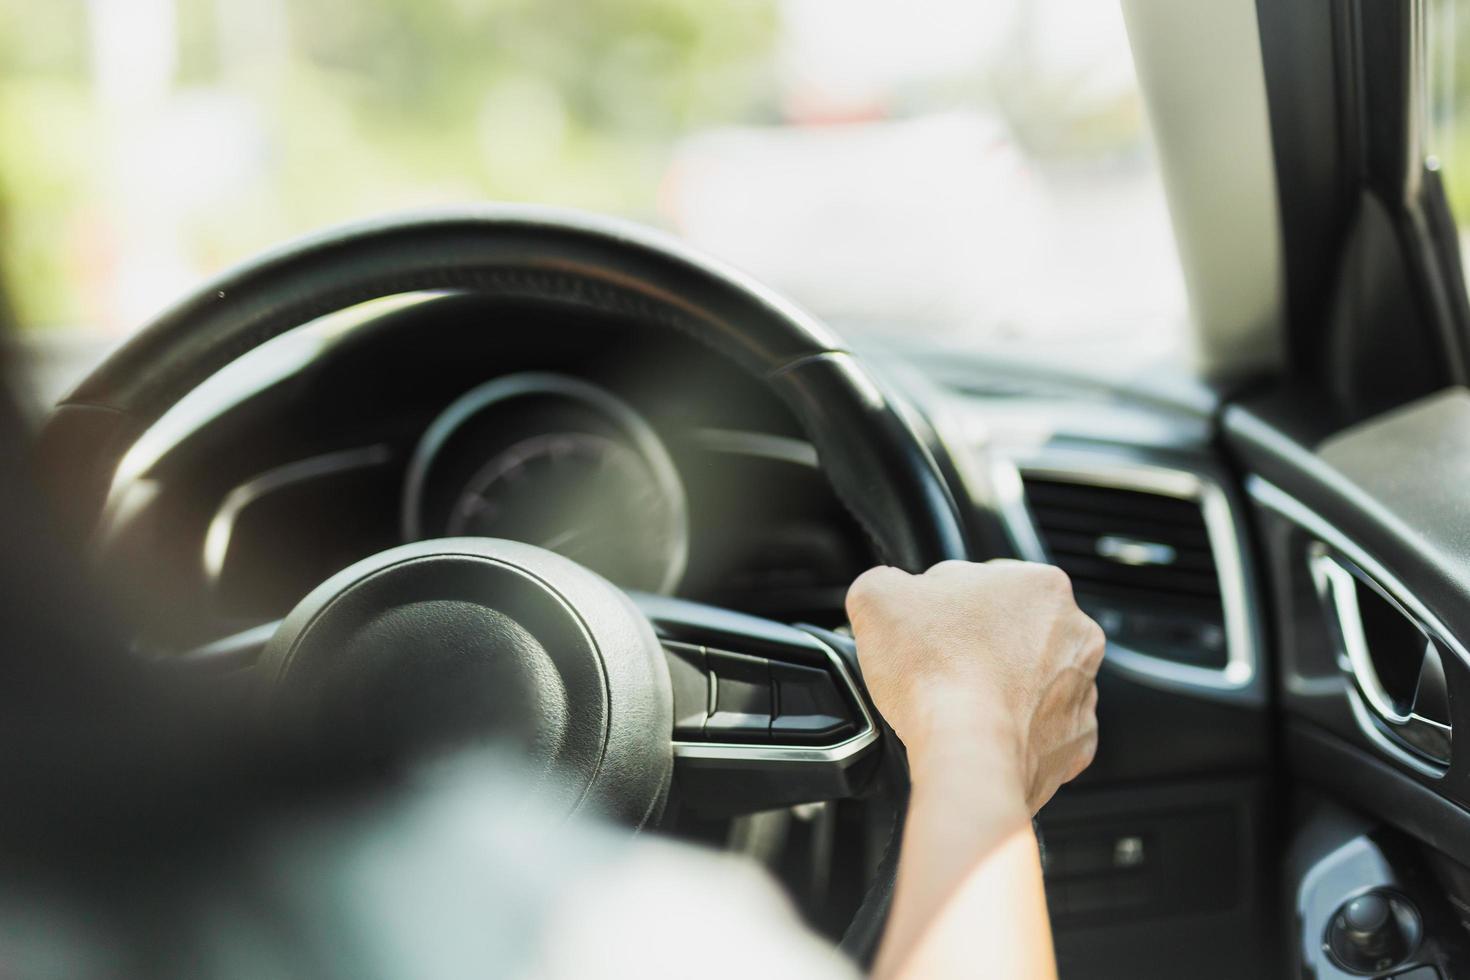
{"points": [[978, 793], [951, 722], [974, 760]]}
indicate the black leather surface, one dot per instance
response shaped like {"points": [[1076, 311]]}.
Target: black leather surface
{"points": [[878, 466]]}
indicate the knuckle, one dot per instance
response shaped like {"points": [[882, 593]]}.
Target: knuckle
{"points": [[869, 587], [1007, 563], [950, 566], [1095, 639], [1053, 579], [1085, 746], [1087, 751], [1060, 581]]}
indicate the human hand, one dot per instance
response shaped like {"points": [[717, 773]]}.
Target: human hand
{"points": [[982, 664]]}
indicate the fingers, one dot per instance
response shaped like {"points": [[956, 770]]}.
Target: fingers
{"points": [[967, 646]]}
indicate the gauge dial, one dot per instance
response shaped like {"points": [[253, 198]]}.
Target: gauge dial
{"points": [[556, 462], [585, 496]]}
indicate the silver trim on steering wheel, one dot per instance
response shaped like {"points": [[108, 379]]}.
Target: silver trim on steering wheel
{"points": [[803, 755]]}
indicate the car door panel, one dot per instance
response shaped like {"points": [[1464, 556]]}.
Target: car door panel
{"points": [[1363, 535]]}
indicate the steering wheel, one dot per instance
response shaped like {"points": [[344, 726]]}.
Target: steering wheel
{"points": [[622, 697]]}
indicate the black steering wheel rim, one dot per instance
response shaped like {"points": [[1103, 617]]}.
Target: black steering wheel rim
{"points": [[878, 466]]}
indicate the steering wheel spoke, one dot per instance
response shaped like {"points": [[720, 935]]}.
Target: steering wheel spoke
{"points": [[225, 655], [765, 714]]}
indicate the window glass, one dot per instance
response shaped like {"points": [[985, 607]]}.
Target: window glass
{"points": [[1447, 133], [959, 171]]}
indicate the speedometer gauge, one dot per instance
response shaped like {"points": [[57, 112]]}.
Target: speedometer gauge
{"points": [[556, 462], [585, 496]]}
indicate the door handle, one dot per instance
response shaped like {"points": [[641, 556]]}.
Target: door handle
{"points": [[1416, 720]]}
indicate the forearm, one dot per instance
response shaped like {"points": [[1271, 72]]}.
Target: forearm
{"points": [[986, 672], [969, 894]]}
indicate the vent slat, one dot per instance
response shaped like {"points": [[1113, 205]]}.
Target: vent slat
{"points": [[1107, 501], [1171, 611], [1165, 580], [1194, 536], [1071, 517], [1084, 545], [1207, 609]]}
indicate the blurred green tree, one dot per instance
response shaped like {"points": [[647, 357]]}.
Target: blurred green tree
{"points": [[358, 106]]}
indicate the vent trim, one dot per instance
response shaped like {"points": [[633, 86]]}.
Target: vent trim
{"points": [[1239, 678]]}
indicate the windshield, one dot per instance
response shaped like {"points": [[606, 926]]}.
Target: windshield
{"points": [[956, 171]]}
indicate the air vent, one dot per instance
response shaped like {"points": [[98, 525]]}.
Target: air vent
{"points": [[1142, 563]]}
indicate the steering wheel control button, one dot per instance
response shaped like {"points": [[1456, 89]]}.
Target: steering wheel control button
{"points": [[1373, 933], [742, 702], [809, 708], [689, 677]]}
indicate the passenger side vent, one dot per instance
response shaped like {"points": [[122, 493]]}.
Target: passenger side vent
{"points": [[1142, 563]]}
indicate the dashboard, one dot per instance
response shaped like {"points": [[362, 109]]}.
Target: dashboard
{"points": [[651, 461], [657, 463], [644, 456]]}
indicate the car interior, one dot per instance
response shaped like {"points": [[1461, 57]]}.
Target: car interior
{"points": [[320, 459]]}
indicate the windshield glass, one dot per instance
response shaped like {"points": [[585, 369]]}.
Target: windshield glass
{"points": [[957, 171]]}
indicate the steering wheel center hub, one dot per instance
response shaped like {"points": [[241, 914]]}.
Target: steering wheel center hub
{"points": [[457, 643]]}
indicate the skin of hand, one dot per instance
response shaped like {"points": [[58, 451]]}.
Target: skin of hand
{"points": [[986, 672]]}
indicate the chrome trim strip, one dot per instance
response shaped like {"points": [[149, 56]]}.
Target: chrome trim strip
{"points": [[802, 755], [1363, 715], [249, 374], [1010, 503], [1337, 589], [1135, 552], [1241, 674], [763, 445], [222, 526], [238, 651]]}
